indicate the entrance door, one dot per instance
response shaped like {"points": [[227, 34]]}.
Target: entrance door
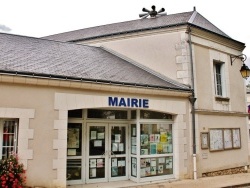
{"points": [[107, 152]]}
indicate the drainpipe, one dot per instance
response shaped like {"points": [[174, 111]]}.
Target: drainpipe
{"points": [[192, 100]]}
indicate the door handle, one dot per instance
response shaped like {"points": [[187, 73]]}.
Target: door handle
{"points": [[104, 153]]}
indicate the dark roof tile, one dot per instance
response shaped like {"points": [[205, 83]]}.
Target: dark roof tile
{"points": [[138, 25], [26, 55]]}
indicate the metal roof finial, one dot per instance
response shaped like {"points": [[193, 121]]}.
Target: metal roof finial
{"points": [[153, 13]]}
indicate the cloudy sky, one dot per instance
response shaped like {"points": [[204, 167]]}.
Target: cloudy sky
{"points": [[39, 18]]}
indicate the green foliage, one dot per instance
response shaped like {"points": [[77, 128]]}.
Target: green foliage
{"points": [[11, 173]]}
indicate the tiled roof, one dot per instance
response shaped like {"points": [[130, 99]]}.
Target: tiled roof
{"points": [[40, 57], [191, 18]]}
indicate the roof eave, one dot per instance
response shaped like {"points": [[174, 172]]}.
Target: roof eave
{"points": [[95, 81]]}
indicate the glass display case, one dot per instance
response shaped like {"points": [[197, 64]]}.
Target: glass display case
{"points": [[156, 139], [156, 166]]}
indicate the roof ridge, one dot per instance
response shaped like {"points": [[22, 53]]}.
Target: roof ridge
{"points": [[49, 40], [133, 62], [191, 19], [110, 24]]}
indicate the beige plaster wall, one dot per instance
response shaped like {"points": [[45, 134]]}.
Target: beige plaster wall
{"points": [[47, 165], [165, 53], [39, 168], [218, 160], [205, 84]]}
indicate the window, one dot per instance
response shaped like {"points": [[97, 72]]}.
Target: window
{"points": [[8, 137], [107, 114], [219, 79], [156, 150]]}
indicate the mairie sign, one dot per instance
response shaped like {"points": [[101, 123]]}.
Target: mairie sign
{"points": [[128, 102]]}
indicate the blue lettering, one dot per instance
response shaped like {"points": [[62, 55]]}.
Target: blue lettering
{"points": [[113, 102], [122, 102], [145, 103], [128, 102], [140, 103], [134, 103]]}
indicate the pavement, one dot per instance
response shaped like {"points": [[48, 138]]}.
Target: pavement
{"points": [[225, 181]]}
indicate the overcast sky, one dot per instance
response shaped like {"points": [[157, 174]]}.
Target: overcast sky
{"points": [[39, 18]]}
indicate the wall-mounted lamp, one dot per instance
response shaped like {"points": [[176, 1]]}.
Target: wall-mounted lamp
{"points": [[245, 71]]}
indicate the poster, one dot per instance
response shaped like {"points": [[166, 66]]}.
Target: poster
{"points": [[133, 169], [117, 138], [97, 143], [228, 142], [153, 170], [160, 169], [143, 172], [100, 163], [147, 171], [153, 161], [133, 141], [148, 162], [153, 148], [169, 163], [152, 138], [114, 171], [163, 137], [121, 147], [92, 172], [121, 163], [71, 151], [144, 140], [157, 137], [143, 163], [100, 136], [73, 138], [93, 135], [133, 131], [114, 161], [144, 151], [114, 146], [236, 138], [161, 160], [133, 149], [92, 163]]}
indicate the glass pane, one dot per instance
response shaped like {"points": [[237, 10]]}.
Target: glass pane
{"points": [[74, 139], [107, 114], [156, 139], [74, 169], [75, 113], [96, 168], [133, 114], [133, 167], [96, 140], [118, 167], [146, 114], [118, 140], [133, 139], [156, 166], [9, 128]]}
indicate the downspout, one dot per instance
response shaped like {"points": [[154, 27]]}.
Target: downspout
{"points": [[192, 100]]}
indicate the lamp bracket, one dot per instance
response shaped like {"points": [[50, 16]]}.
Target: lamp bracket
{"points": [[242, 57]]}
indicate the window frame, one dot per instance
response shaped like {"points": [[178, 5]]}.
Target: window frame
{"points": [[221, 83], [15, 139]]}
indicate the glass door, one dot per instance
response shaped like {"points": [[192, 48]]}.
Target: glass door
{"points": [[97, 152], [106, 152], [118, 155]]}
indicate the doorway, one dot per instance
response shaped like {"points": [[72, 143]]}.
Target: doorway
{"points": [[107, 152]]}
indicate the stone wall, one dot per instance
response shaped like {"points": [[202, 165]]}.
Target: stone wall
{"points": [[225, 172]]}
